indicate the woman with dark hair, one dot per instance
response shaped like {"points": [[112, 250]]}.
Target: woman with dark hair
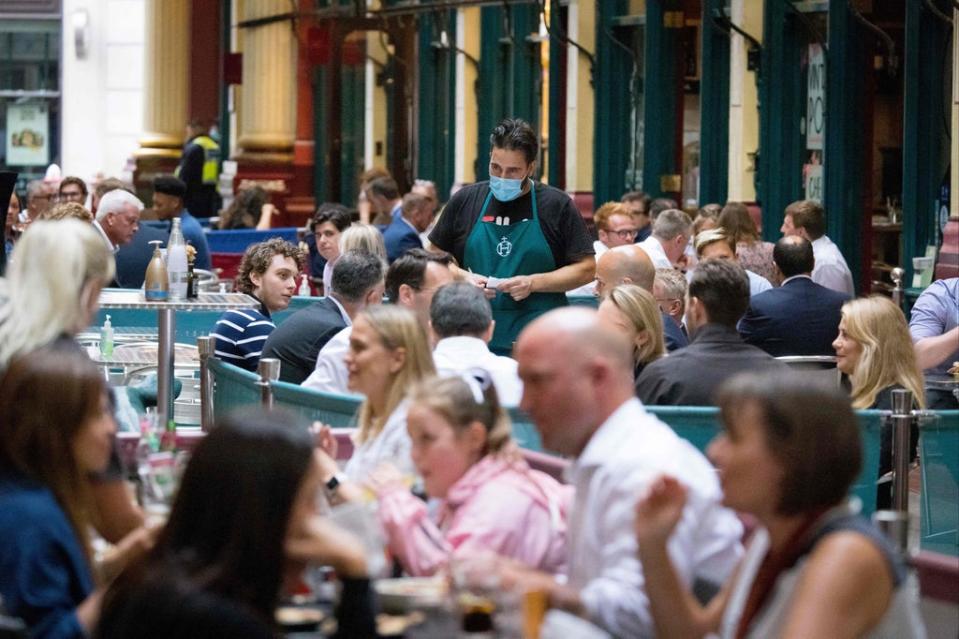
{"points": [[47, 450], [250, 209], [787, 455], [754, 254], [244, 523]]}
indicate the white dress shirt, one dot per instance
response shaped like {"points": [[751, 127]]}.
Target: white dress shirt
{"points": [[330, 374], [391, 445], [655, 252], [831, 269], [626, 453], [456, 355], [589, 290]]}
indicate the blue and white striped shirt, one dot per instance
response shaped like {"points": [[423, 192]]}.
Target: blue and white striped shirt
{"points": [[239, 336]]}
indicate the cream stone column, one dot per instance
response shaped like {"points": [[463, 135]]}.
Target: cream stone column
{"points": [[268, 93], [743, 103], [579, 98], [466, 134], [166, 90], [374, 127]]}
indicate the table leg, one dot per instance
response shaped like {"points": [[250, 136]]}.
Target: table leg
{"points": [[166, 330]]}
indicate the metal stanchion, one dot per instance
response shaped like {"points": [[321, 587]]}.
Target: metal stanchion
{"points": [[902, 419], [895, 523], [897, 276], [205, 346], [269, 371]]}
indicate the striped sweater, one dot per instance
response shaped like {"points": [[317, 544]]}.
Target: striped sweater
{"points": [[239, 336]]}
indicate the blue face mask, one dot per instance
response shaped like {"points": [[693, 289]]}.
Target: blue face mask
{"points": [[505, 189]]}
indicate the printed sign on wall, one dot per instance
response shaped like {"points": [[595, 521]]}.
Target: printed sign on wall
{"points": [[816, 98], [28, 135]]}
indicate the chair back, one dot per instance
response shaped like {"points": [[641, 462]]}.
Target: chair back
{"points": [[337, 411], [233, 387], [939, 463], [524, 431], [817, 368]]}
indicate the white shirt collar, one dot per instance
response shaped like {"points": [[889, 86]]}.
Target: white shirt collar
{"points": [[796, 277], [461, 344], [408, 223], [110, 245], [346, 318]]}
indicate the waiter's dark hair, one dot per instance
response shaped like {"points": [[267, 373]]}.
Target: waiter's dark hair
{"points": [[514, 134]]}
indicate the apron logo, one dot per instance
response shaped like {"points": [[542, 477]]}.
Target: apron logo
{"points": [[504, 248]]}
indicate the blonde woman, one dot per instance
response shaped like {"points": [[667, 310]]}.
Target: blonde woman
{"points": [[875, 350], [365, 238], [489, 500], [633, 312], [53, 298], [388, 353]]}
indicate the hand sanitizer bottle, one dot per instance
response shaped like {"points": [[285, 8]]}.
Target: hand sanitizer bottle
{"points": [[106, 339]]}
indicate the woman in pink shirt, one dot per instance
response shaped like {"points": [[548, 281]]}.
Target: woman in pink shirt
{"points": [[489, 499]]}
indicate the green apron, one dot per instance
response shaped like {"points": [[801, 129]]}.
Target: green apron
{"points": [[508, 251]]}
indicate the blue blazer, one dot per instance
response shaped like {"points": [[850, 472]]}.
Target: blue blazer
{"points": [[798, 318], [399, 237]]}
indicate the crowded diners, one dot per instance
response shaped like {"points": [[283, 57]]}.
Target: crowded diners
{"points": [[700, 433]]}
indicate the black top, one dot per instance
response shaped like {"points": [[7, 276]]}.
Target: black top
{"points": [[798, 318], [690, 376], [560, 220], [161, 607], [297, 341]]}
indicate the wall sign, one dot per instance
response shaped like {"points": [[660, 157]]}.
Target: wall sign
{"points": [[816, 98], [28, 136]]}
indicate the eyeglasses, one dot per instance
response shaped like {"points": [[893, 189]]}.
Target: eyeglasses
{"points": [[624, 234], [667, 299]]}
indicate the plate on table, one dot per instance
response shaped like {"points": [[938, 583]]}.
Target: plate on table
{"points": [[409, 593]]}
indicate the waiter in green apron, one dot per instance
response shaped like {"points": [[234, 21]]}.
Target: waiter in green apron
{"points": [[522, 240]]}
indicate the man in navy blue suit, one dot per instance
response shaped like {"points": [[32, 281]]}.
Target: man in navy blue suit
{"points": [[798, 318], [403, 233]]}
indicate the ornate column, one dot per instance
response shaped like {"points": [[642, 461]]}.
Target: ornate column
{"points": [[166, 88], [268, 124], [267, 96]]}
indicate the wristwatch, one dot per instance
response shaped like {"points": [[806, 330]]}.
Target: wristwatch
{"points": [[333, 483]]}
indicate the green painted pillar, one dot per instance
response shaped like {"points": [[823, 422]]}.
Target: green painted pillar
{"points": [[925, 150], [779, 174], [662, 153], [510, 84], [714, 108], [612, 76], [436, 115], [556, 171], [844, 154]]}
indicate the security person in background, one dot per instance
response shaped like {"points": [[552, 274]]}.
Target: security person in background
{"points": [[200, 169], [522, 240]]}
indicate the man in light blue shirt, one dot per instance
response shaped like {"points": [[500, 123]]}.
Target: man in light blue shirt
{"points": [[934, 327]]}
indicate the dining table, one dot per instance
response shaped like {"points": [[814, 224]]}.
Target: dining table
{"points": [[166, 311]]}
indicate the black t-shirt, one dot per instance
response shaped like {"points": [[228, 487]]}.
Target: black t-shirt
{"points": [[559, 218]]}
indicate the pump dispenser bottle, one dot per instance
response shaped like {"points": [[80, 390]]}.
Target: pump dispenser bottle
{"points": [[155, 285]]}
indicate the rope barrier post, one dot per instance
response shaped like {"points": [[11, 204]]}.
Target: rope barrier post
{"points": [[269, 371], [205, 346], [902, 419]]}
